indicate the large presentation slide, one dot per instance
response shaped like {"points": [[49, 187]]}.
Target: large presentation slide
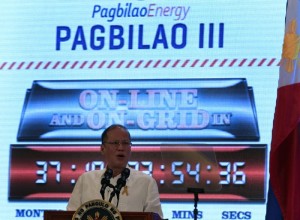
{"points": [[194, 82]]}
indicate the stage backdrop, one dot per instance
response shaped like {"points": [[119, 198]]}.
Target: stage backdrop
{"points": [[194, 81]]}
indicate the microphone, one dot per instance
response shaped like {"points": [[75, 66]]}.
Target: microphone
{"points": [[105, 181], [122, 181]]}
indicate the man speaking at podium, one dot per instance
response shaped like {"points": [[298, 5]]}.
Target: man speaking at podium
{"points": [[128, 189]]}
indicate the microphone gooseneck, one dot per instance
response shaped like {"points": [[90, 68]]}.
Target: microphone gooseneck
{"points": [[105, 181], [121, 182]]}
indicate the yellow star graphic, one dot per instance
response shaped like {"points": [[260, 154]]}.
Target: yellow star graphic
{"points": [[291, 46]]}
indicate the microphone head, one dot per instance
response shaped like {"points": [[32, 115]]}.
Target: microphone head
{"points": [[126, 173], [107, 176], [108, 173]]}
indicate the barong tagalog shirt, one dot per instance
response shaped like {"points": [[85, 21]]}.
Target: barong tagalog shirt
{"points": [[140, 194]]}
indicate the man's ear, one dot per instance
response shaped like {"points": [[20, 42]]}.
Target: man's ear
{"points": [[102, 149]]}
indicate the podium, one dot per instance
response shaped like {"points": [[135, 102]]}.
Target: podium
{"points": [[67, 215]]}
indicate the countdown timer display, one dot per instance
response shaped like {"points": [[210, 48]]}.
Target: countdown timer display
{"points": [[225, 172]]}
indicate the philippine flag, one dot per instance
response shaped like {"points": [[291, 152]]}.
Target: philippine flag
{"points": [[284, 189]]}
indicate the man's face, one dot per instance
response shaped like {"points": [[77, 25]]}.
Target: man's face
{"points": [[117, 148]]}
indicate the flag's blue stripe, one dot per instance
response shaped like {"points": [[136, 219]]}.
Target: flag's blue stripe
{"points": [[273, 209]]}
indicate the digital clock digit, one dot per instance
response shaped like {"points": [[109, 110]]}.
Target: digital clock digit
{"points": [[238, 176], [148, 164], [44, 170]]}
